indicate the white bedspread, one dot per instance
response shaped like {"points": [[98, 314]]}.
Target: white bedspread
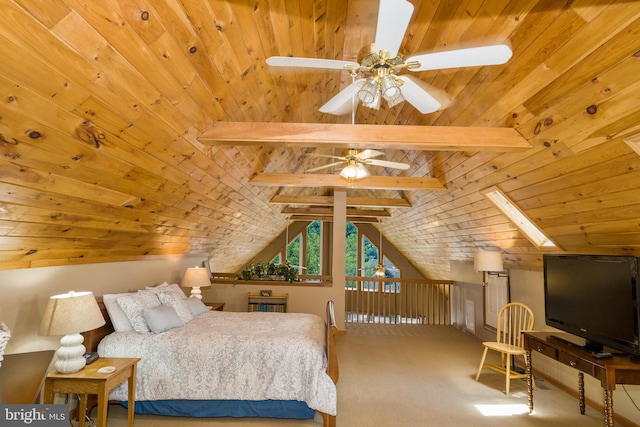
{"points": [[227, 355]]}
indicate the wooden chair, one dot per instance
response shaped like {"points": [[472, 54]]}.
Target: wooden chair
{"points": [[513, 318]]}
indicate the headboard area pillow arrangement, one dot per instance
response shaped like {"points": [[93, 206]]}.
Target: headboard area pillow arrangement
{"points": [[152, 310]]}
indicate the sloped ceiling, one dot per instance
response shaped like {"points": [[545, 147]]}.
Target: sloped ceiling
{"points": [[103, 104]]}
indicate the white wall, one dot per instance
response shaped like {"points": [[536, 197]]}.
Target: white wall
{"points": [[527, 287]]}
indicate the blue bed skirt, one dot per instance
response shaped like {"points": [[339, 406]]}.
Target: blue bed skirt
{"points": [[225, 408]]}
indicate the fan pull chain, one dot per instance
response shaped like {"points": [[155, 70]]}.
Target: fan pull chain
{"points": [[353, 100]]}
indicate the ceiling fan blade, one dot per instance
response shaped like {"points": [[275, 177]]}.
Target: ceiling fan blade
{"points": [[288, 61], [393, 19], [326, 156], [323, 167], [367, 154], [470, 57], [387, 164], [415, 94], [343, 102]]}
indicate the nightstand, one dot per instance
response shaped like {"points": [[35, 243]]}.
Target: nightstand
{"points": [[89, 381], [219, 306]]}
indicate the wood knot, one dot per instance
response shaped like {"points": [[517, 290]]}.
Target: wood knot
{"points": [[592, 109], [144, 15]]}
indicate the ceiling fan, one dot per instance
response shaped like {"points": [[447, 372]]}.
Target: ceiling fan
{"points": [[355, 161], [381, 64]]}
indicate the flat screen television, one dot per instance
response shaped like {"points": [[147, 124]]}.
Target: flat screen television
{"points": [[594, 297]]}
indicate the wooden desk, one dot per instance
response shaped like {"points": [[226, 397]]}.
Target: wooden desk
{"points": [[21, 376], [611, 371], [89, 381]]}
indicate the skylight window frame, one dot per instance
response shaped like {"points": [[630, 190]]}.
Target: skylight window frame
{"points": [[519, 219]]}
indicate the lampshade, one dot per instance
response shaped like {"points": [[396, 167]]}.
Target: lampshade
{"points": [[69, 314], [195, 278], [488, 261]]}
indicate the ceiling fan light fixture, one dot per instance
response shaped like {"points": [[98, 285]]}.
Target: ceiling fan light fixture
{"points": [[395, 100], [390, 87], [354, 170], [380, 270], [368, 91], [376, 102]]}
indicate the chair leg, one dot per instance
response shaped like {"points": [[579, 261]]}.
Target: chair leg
{"points": [[484, 355], [508, 373]]}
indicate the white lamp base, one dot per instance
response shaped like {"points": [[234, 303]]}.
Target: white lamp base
{"points": [[196, 292], [70, 354]]}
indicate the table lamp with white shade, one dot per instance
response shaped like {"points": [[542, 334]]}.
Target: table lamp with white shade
{"points": [[196, 278], [70, 314]]}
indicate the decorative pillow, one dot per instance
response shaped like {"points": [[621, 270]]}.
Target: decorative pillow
{"points": [[118, 317], [196, 307], [133, 305], [161, 318], [178, 303], [165, 287]]}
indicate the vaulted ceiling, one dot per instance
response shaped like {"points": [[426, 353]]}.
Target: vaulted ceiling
{"points": [[105, 105]]}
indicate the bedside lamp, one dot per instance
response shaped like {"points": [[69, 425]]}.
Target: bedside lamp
{"points": [[485, 261], [196, 278], [69, 314]]}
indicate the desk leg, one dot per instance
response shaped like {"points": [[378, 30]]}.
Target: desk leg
{"points": [[527, 357], [608, 407], [48, 392], [581, 391], [131, 383], [103, 401], [82, 409]]}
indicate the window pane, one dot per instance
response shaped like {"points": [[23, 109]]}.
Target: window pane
{"points": [[314, 246]]}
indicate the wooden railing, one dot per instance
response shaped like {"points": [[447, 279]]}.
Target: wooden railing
{"points": [[389, 300]]}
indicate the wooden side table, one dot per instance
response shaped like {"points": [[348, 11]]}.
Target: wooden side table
{"points": [[89, 381], [22, 375], [219, 306]]}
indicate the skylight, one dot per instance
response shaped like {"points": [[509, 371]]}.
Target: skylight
{"points": [[518, 218]]}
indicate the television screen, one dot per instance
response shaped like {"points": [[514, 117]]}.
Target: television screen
{"points": [[594, 297]]}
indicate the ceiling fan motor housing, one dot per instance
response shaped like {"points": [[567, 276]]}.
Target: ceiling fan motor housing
{"points": [[370, 61]]}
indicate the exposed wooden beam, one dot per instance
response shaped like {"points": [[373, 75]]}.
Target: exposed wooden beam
{"points": [[329, 218], [322, 180], [331, 135], [328, 210], [372, 202]]}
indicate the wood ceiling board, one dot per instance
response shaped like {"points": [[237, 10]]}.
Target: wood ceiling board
{"points": [[371, 202], [336, 181], [331, 135]]}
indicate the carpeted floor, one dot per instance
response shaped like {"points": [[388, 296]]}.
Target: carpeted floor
{"points": [[414, 375]]}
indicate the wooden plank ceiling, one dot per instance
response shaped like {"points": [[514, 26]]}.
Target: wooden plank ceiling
{"points": [[104, 104]]}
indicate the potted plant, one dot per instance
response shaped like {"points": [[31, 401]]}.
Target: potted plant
{"points": [[268, 271]]}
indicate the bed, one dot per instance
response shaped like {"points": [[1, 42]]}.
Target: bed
{"points": [[277, 365]]}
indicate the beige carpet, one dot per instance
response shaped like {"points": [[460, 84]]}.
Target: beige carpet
{"points": [[413, 375]]}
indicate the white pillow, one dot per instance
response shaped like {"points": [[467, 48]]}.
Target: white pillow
{"points": [[196, 307], [178, 303], [165, 287], [161, 318], [133, 305], [118, 318]]}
